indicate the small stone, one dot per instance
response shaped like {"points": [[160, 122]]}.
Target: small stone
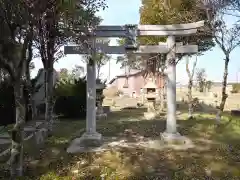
{"points": [[75, 171], [149, 115]]}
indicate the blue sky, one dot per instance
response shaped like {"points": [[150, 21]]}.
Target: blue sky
{"points": [[127, 12]]}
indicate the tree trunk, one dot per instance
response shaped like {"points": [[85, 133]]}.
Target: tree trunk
{"points": [[224, 84], [49, 99], [26, 102], [16, 159], [190, 84], [29, 99], [190, 99], [162, 99], [31, 104], [98, 72], [162, 92], [162, 63], [50, 24]]}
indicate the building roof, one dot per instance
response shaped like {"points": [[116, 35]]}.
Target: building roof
{"points": [[112, 80], [132, 72]]}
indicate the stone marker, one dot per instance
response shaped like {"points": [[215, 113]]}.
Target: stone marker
{"points": [[150, 95], [99, 99]]}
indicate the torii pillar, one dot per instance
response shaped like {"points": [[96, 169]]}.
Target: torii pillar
{"points": [[171, 134], [171, 127]]}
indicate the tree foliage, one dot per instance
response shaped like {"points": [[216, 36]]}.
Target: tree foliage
{"points": [[16, 32], [62, 24], [174, 12], [71, 98]]}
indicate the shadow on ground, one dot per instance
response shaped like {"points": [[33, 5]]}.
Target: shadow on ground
{"points": [[215, 156]]}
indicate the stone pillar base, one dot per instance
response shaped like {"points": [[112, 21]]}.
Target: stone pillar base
{"points": [[149, 115], [175, 138], [88, 142]]}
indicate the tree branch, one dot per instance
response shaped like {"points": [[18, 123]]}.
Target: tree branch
{"points": [[187, 68], [27, 39], [194, 67], [42, 43]]}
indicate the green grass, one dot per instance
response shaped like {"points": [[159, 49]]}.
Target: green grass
{"points": [[216, 154]]}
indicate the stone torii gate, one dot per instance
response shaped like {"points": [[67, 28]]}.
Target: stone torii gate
{"points": [[91, 137]]}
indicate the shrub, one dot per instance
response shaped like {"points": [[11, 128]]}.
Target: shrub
{"points": [[71, 106], [71, 99], [235, 88], [234, 91]]}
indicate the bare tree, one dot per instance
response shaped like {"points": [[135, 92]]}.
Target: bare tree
{"points": [[201, 78], [190, 74], [161, 66], [16, 31], [231, 7], [226, 37], [101, 60]]}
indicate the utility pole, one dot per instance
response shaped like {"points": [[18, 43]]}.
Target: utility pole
{"points": [[237, 74], [109, 73]]}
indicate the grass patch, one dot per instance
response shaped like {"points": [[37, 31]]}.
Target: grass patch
{"points": [[216, 155]]}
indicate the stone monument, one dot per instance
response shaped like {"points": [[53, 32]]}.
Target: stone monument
{"points": [[99, 100], [150, 90]]}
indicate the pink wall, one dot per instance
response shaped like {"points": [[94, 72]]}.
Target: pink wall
{"points": [[139, 83], [135, 83]]}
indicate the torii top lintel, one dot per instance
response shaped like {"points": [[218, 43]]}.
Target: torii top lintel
{"points": [[150, 30]]}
